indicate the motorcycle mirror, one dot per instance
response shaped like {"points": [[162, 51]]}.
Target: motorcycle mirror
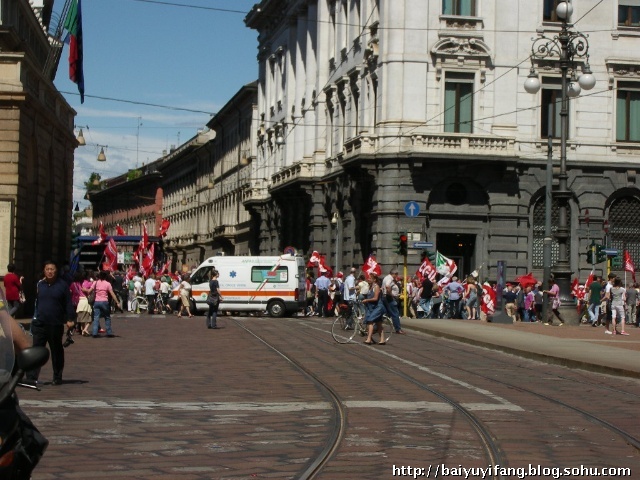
{"points": [[32, 358]]}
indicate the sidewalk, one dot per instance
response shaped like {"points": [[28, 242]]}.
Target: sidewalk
{"points": [[582, 346]]}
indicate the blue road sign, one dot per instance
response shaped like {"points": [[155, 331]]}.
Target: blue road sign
{"points": [[412, 209], [422, 244], [612, 252]]}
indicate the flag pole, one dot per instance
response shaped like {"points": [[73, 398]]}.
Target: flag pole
{"points": [[404, 291]]}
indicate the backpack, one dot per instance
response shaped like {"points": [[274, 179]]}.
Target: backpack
{"points": [[132, 285]]}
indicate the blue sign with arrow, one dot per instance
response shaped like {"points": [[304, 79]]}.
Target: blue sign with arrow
{"points": [[412, 209]]}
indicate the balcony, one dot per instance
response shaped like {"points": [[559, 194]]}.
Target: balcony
{"points": [[295, 172], [430, 144]]}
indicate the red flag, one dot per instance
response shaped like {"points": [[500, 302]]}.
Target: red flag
{"points": [[102, 237], [427, 270], [119, 231], [371, 266], [527, 280], [137, 254], [130, 272], [488, 305], [164, 227], [323, 267], [314, 259], [73, 25], [590, 280], [147, 262], [628, 264], [165, 267], [574, 287], [111, 256]]}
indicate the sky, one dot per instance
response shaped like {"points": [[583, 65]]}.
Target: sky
{"points": [[187, 56]]}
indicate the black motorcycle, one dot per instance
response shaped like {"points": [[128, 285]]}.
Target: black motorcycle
{"points": [[21, 444]]}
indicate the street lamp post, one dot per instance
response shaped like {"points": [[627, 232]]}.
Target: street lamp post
{"points": [[337, 221], [569, 47]]}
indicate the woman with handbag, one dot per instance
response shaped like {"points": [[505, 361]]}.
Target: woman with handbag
{"points": [[213, 300], [101, 308]]}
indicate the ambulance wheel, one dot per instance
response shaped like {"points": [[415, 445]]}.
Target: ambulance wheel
{"points": [[276, 309]]}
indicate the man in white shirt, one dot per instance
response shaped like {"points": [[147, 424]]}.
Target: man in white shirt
{"points": [[349, 294], [150, 292]]}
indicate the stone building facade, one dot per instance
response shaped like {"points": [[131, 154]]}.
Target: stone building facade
{"points": [[366, 105], [36, 145]]}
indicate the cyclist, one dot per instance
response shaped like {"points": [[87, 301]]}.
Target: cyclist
{"points": [[375, 310], [349, 294]]}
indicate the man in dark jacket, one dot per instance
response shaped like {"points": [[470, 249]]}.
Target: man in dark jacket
{"points": [[53, 310], [426, 297]]}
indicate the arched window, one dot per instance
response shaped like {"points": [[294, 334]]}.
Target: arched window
{"points": [[624, 224], [538, 232]]}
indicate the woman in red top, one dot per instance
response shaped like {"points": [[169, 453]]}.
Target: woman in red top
{"points": [[12, 288]]}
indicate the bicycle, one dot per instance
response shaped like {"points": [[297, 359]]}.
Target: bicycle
{"points": [[351, 322], [139, 304], [160, 306]]}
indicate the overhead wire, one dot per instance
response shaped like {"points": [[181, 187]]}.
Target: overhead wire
{"points": [[484, 86], [297, 120]]}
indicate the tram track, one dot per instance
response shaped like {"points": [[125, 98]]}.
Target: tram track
{"points": [[338, 427], [491, 448], [630, 439]]}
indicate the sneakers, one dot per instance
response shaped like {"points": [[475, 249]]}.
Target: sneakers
{"points": [[608, 332], [624, 333], [547, 324]]}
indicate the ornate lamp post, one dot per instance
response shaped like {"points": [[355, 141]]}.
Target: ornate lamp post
{"points": [[569, 47]]}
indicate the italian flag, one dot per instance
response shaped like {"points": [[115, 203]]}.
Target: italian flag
{"points": [[73, 25], [445, 266]]}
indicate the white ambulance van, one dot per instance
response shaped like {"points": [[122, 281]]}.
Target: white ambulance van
{"points": [[276, 285]]}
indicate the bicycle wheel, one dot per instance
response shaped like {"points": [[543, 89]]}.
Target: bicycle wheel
{"points": [[359, 311], [387, 328], [340, 330], [141, 305], [135, 305]]}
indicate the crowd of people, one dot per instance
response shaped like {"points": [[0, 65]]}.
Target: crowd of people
{"points": [[78, 302], [608, 303], [82, 300]]}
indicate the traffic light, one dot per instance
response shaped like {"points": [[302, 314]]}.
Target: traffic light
{"points": [[616, 262], [430, 255], [400, 241], [600, 255], [403, 244], [396, 243], [590, 258]]}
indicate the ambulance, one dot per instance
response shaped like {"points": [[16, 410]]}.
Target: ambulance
{"points": [[276, 285]]}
